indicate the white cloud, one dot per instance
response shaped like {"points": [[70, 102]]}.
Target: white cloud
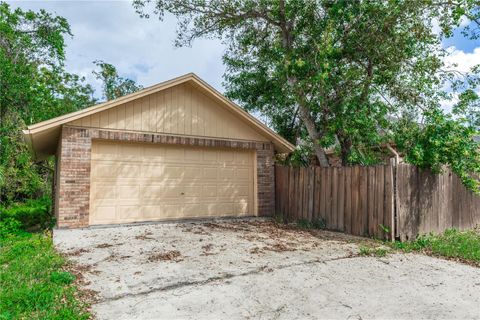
{"points": [[141, 49], [463, 61]]}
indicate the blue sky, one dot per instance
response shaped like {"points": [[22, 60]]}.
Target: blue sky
{"points": [[461, 43], [142, 49]]}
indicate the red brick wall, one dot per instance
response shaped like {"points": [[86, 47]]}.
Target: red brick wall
{"points": [[73, 189]]}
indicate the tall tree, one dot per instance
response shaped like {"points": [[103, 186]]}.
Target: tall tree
{"points": [[33, 87], [324, 70], [114, 86]]}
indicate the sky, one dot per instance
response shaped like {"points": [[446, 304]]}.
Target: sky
{"points": [[143, 49]]}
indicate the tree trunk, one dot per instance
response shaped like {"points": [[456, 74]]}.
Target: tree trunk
{"points": [[314, 135], [345, 147], [304, 112]]}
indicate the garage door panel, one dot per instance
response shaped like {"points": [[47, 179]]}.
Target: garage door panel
{"points": [[224, 209], [242, 158], [152, 171], [128, 192], [154, 152], [129, 151], [172, 211], [150, 212], [210, 156], [243, 174], [209, 191], [175, 154], [144, 182], [104, 191], [119, 170], [192, 173], [241, 208], [210, 173], [156, 192], [192, 154], [105, 213], [173, 172], [193, 191], [102, 170], [191, 210], [225, 157], [128, 213]]}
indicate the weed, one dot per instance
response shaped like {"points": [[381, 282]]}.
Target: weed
{"points": [[463, 245], [375, 252], [318, 223], [304, 224], [384, 228], [279, 218]]}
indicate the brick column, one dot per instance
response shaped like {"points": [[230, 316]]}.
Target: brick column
{"points": [[265, 179], [74, 181]]}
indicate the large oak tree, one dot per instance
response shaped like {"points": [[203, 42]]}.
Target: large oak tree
{"points": [[333, 72]]}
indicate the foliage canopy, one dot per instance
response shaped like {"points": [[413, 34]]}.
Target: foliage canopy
{"points": [[341, 73]]}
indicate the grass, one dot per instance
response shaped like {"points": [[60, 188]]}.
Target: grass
{"points": [[453, 244], [376, 252], [33, 284], [463, 246]]}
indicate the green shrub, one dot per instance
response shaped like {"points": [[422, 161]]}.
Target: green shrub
{"points": [[30, 215], [9, 226]]}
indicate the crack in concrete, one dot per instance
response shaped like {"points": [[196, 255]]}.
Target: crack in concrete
{"points": [[225, 276]]}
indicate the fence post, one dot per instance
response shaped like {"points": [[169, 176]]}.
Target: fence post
{"points": [[392, 198]]}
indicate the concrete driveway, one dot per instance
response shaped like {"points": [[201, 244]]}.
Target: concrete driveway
{"points": [[251, 269]]}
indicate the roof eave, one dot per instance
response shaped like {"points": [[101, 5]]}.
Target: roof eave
{"points": [[280, 143]]}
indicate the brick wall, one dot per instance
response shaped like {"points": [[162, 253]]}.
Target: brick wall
{"points": [[73, 188]]}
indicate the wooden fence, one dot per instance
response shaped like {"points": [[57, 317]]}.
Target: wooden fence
{"points": [[356, 200], [428, 202], [378, 201]]}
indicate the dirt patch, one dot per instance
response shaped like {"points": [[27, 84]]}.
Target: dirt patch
{"points": [[256, 250], [77, 252], [104, 245], [173, 255], [89, 296], [195, 230], [279, 247], [145, 236], [207, 247]]}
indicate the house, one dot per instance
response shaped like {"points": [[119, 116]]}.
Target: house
{"points": [[178, 149]]}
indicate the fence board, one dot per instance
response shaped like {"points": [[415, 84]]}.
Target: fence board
{"points": [[345, 198], [429, 202], [389, 218], [341, 200], [357, 200], [380, 201], [334, 197], [348, 200]]}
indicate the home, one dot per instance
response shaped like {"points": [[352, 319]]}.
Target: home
{"points": [[178, 149]]}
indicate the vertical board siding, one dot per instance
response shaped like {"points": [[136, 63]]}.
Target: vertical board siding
{"points": [[179, 110], [354, 200]]}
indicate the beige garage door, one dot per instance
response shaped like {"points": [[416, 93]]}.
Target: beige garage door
{"points": [[144, 182]]}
